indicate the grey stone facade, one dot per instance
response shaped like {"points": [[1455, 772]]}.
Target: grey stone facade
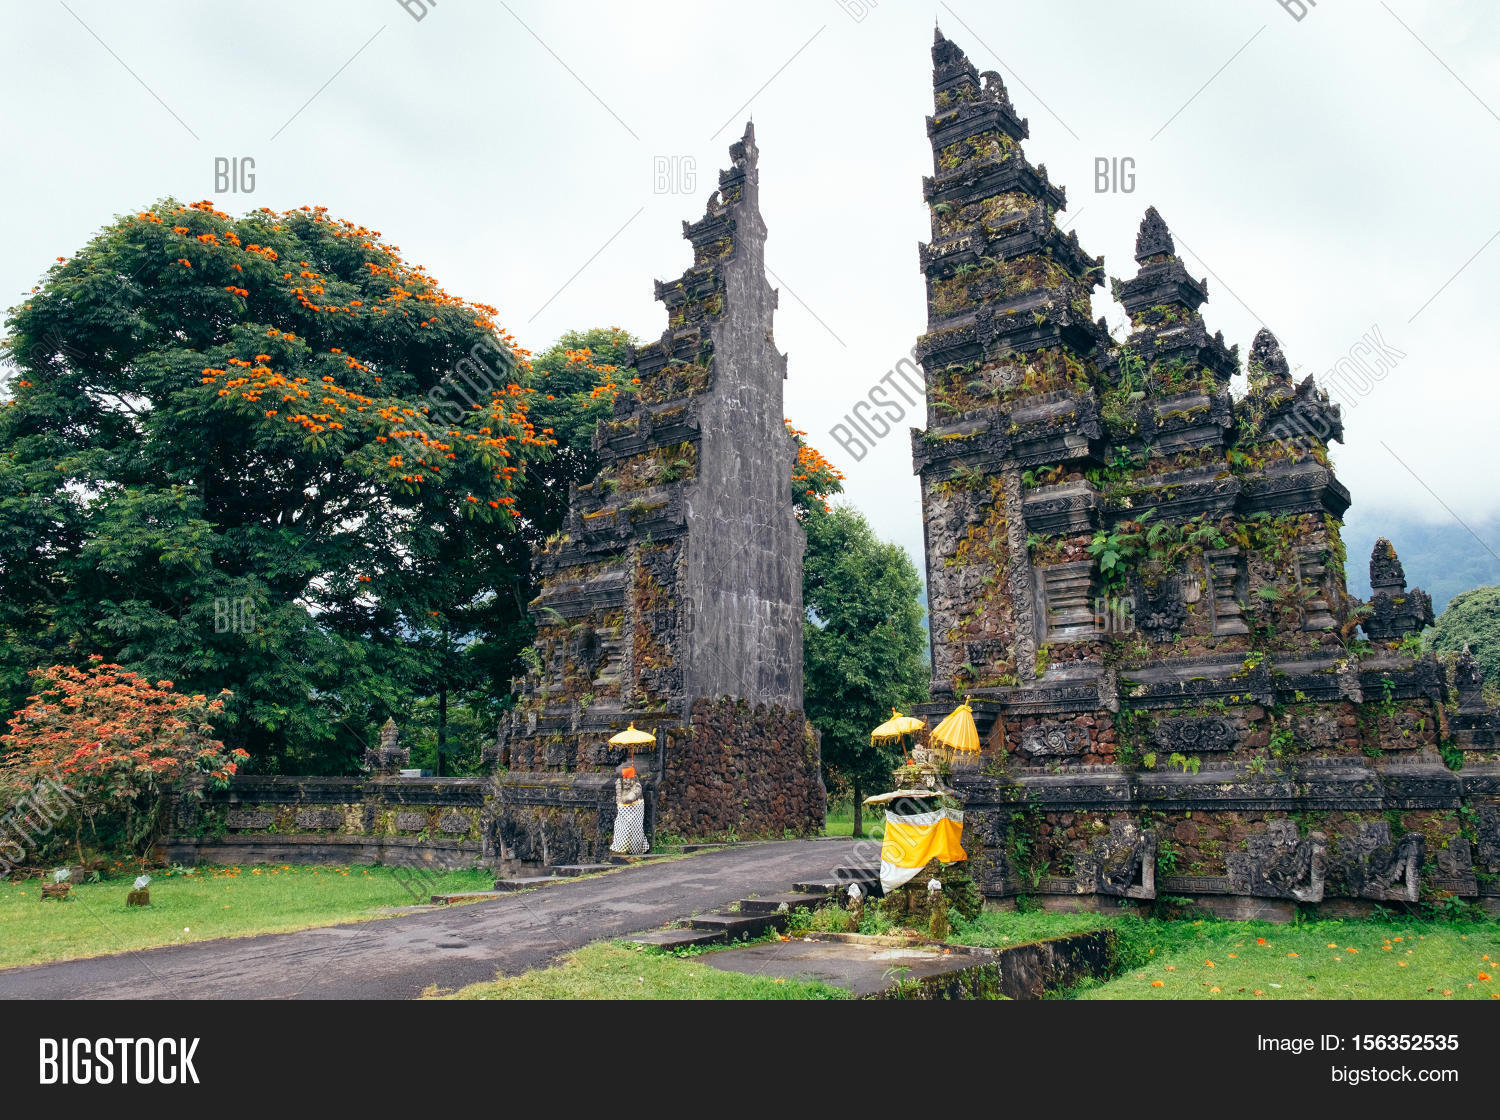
{"points": [[1136, 579], [677, 578]]}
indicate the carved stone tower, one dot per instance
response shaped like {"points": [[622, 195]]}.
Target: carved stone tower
{"points": [[1136, 580], [673, 596]]}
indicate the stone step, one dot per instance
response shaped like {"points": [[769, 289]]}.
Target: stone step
{"points": [[572, 870], [689, 848], [869, 883], [618, 860], [465, 896], [740, 925], [526, 883], [679, 938], [827, 888], [868, 878], [772, 903]]}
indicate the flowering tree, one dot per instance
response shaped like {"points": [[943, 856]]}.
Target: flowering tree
{"points": [[119, 743], [814, 478], [263, 452]]}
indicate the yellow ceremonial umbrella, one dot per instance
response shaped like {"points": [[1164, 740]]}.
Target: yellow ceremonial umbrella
{"points": [[632, 738], [898, 725], [958, 732]]}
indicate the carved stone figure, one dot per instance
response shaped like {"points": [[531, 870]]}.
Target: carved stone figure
{"points": [[1121, 864], [1371, 866], [1159, 605], [1278, 863], [387, 757]]}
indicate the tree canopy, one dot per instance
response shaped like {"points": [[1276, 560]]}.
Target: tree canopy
{"points": [[1472, 619], [261, 453], [864, 648]]}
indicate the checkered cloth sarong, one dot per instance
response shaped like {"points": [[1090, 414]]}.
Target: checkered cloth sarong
{"points": [[630, 829]]}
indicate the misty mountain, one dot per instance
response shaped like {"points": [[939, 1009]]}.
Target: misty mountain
{"points": [[1442, 559]]}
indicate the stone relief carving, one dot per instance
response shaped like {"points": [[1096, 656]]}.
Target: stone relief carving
{"points": [[1196, 733], [1159, 605], [1372, 866], [1051, 738], [1280, 864]]}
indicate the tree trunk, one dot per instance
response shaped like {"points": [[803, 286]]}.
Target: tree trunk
{"points": [[859, 813], [442, 745]]}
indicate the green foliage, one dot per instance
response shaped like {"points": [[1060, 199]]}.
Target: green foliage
{"points": [[863, 647], [266, 454], [621, 971], [1472, 619], [564, 402]]}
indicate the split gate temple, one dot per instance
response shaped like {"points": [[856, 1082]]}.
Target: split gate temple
{"points": [[1137, 582], [1134, 578]]}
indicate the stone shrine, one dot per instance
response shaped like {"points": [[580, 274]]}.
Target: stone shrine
{"points": [[1136, 579]]}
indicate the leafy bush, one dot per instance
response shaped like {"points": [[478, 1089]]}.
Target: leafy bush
{"points": [[119, 744]]}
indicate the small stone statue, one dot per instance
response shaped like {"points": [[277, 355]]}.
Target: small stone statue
{"points": [[938, 924], [856, 907], [387, 758], [630, 815]]}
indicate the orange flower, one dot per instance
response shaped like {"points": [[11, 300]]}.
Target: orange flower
{"points": [[1260, 940], [1484, 976], [1156, 984]]}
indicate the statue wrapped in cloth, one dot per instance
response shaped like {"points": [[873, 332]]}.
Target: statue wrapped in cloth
{"points": [[630, 815]]}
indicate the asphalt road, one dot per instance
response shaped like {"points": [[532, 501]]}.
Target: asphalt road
{"points": [[396, 958]]}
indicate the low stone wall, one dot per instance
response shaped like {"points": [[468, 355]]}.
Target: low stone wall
{"points": [[753, 773], [1339, 835], [274, 818], [546, 819], [1027, 971]]}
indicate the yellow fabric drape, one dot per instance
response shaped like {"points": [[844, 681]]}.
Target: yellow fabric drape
{"points": [[912, 840]]}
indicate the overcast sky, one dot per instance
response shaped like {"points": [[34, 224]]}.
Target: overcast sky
{"points": [[1331, 176]]}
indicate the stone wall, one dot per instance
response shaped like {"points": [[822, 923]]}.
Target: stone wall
{"points": [[399, 821], [752, 773]]}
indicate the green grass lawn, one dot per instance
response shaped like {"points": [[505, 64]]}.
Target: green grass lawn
{"points": [[1394, 958], [840, 822], [201, 903], [618, 970]]}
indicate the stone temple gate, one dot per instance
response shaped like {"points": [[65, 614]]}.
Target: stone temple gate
{"points": [[673, 597], [1137, 581], [1135, 578]]}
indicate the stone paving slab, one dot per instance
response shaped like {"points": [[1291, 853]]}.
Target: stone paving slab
{"points": [[862, 969]]}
